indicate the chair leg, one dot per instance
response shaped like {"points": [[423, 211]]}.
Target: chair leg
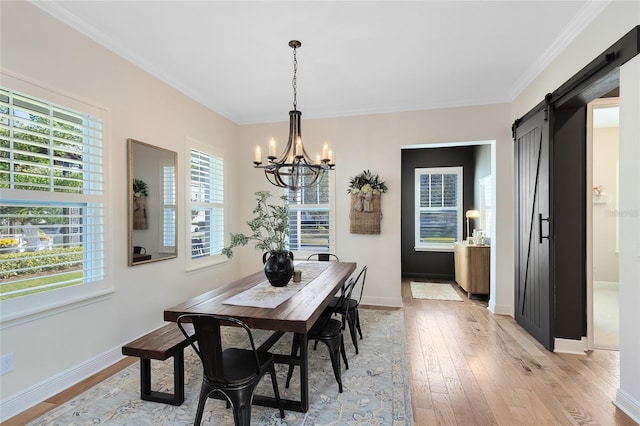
{"points": [[241, 401], [205, 391], [358, 323], [272, 373], [334, 354], [344, 353], [352, 330], [294, 352]]}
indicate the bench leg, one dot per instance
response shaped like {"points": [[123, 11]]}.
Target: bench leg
{"points": [[177, 398]]}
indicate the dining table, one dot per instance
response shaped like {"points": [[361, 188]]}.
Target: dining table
{"points": [[290, 309]]}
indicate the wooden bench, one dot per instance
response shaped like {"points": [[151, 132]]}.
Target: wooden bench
{"points": [[162, 343]]}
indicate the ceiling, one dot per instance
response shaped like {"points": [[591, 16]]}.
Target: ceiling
{"points": [[357, 57]]}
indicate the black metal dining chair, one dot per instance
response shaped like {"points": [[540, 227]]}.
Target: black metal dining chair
{"points": [[328, 331], [324, 257], [232, 373], [349, 308]]}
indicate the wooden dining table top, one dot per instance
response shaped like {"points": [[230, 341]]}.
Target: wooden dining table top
{"points": [[297, 314]]}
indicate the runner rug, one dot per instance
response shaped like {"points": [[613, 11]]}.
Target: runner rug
{"points": [[376, 387]]}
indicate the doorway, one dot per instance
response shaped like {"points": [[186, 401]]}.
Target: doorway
{"points": [[603, 325]]}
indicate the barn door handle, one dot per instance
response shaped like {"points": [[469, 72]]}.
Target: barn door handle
{"points": [[540, 220]]}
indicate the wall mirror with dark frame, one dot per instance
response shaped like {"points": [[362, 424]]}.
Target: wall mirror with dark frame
{"points": [[153, 232]]}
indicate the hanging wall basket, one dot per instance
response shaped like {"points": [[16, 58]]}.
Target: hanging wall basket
{"points": [[140, 212], [365, 214]]}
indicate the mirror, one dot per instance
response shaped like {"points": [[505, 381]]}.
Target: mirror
{"points": [[153, 232]]}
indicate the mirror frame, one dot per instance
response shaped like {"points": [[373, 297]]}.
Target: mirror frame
{"points": [[130, 205]]}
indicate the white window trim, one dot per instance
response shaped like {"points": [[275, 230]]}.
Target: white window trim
{"points": [[436, 247], [205, 261], [33, 307]]}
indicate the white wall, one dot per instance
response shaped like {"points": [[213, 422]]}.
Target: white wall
{"points": [[628, 395]]}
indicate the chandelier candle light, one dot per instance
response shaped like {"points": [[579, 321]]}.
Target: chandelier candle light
{"points": [[294, 168]]}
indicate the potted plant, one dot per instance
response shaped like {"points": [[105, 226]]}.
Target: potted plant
{"points": [[269, 230]]}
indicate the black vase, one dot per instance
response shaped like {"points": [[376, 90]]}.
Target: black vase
{"points": [[278, 267]]}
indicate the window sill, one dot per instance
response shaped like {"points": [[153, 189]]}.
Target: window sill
{"points": [[443, 248], [17, 311]]}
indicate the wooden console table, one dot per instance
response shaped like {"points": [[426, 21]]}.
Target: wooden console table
{"points": [[472, 266]]}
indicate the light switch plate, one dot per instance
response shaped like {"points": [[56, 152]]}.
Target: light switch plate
{"points": [[6, 363]]}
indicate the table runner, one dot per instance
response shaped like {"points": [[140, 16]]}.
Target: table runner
{"points": [[264, 295]]}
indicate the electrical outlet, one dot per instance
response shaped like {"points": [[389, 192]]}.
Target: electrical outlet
{"points": [[6, 363]]}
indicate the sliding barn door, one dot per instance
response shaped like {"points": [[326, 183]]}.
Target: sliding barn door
{"points": [[533, 294]]}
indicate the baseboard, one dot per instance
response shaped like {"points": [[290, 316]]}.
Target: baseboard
{"points": [[570, 346], [500, 309], [630, 406], [606, 285], [15, 404], [393, 302]]}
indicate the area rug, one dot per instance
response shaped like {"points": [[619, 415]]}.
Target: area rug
{"points": [[435, 291], [376, 387]]}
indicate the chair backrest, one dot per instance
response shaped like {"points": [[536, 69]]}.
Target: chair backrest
{"points": [[208, 333], [31, 237], [324, 257], [360, 279], [337, 307]]}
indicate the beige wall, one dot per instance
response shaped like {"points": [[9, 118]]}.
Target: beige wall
{"points": [[52, 352], [605, 215], [374, 142]]}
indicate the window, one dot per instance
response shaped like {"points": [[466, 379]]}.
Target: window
{"points": [[168, 208], [310, 224], [206, 202], [438, 212], [52, 207]]}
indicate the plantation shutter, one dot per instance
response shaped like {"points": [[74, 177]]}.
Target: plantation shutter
{"points": [[207, 204], [309, 217], [51, 213]]}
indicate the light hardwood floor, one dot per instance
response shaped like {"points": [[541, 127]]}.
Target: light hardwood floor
{"points": [[469, 367]]}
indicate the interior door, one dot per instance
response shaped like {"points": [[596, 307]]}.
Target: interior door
{"points": [[533, 295]]}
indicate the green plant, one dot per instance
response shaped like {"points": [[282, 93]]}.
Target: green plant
{"points": [[139, 188], [269, 228], [366, 182]]}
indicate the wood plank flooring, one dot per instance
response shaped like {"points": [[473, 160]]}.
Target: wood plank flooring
{"points": [[469, 367]]}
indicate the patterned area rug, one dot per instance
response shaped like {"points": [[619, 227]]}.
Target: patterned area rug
{"points": [[376, 387], [436, 291]]}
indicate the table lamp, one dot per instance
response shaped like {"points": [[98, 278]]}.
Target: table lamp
{"points": [[471, 214]]}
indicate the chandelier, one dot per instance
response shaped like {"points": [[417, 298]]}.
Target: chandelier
{"points": [[294, 168]]}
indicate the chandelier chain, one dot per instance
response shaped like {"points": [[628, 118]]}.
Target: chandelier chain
{"points": [[294, 82]]}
